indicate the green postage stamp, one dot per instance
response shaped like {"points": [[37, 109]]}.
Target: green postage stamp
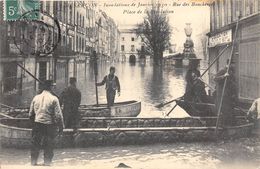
{"points": [[16, 9]]}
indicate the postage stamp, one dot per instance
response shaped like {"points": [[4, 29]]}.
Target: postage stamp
{"points": [[14, 9]]}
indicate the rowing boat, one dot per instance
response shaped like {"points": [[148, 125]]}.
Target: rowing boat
{"points": [[95, 131], [120, 109], [203, 109]]}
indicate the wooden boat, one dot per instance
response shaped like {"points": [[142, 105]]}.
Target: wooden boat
{"points": [[120, 109], [197, 109], [115, 131], [203, 109]]}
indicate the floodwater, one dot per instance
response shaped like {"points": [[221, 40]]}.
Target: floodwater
{"points": [[151, 85], [143, 82], [235, 154]]}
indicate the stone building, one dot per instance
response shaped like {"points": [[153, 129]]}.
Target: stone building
{"points": [[80, 25], [132, 48]]}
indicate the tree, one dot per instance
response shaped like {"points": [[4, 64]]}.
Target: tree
{"points": [[155, 32]]}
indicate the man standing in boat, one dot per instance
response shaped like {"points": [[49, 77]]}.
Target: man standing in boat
{"points": [[70, 98], [46, 116], [230, 95], [112, 86]]}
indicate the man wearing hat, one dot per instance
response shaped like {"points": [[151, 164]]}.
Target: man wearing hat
{"points": [[195, 88], [230, 94], [45, 114], [70, 98], [112, 86]]}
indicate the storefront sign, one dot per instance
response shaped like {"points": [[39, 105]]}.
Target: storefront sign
{"points": [[221, 38]]}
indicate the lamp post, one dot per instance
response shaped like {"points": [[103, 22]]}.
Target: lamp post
{"points": [[188, 50]]}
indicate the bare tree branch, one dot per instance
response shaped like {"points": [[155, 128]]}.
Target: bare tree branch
{"points": [[155, 31]]}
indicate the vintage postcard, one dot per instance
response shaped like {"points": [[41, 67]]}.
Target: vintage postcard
{"points": [[142, 84]]}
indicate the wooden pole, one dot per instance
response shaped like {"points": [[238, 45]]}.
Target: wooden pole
{"points": [[95, 74], [225, 81], [29, 73]]}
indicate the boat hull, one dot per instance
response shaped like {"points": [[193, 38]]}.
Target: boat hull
{"points": [[118, 131], [120, 109]]}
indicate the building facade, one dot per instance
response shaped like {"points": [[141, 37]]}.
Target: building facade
{"points": [[132, 47], [83, 28], [225, 15]]}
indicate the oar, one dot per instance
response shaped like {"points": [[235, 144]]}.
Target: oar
{"points": [[6, 106], [199, 78], [241, 110], [163, 104], [223, 50], [10, 117], [171, 110]]}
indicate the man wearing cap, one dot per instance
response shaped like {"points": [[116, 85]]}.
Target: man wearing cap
{"points": [[230, 94], [112, 85], [46, 116], [70, 98]]}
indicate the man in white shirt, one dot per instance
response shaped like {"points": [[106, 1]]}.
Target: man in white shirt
{"points": [[254, 111], [46, 115]]}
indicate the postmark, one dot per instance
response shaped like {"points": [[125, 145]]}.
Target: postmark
{"points": [[38, 35], [13, 9]]}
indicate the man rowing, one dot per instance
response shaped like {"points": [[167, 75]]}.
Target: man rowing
{"points": [[195, 87]]}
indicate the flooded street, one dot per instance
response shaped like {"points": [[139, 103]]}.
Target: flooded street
{"points": [[142, 82], [151, 86], [242, 153]]}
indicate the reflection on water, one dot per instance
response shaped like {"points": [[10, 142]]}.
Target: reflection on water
{"points": [[151, 85]]}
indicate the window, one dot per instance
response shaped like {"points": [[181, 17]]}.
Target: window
{"points": [[122, 47], [77, 43], [48, 6], [123, 38], [132, 48], [70, 15], [83, 21], [133, 39], [64, 40], [42, 71], [80, 20], [142, 48], [9, 77], [64, 12], [59, 9], [77, 18], [213, 18]]}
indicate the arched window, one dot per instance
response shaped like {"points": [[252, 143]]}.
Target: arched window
{"points": [[77, 18], [70, 14], [80, 20]]}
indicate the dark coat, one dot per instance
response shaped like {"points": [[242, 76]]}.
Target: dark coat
{"points": [[230, 95], [70, 98]]}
